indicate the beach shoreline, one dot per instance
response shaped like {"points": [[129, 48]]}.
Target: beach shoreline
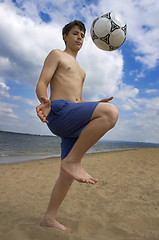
{"points": [[58, 157], [18, 147], [124, 204]]}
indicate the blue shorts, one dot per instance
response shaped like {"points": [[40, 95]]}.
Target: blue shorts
{"points": [[67, 120]]}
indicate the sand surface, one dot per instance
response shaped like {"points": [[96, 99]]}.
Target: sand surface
{"points": [[124, 204]]}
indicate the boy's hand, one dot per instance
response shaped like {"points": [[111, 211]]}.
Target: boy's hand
{"points": [[43, 109], [106, 99]]}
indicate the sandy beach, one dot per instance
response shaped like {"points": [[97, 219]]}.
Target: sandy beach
{"points": [[124, 204]]}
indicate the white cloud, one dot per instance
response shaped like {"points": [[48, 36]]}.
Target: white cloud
{"points": [[127, 91], [139, 75], [27, 46], [139, 126], [4, 63], [3, 86], [149, 104], [7, 112], [3, 89], [152, 91]]}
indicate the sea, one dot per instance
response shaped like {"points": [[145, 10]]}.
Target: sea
{"points": [[19, 147]]}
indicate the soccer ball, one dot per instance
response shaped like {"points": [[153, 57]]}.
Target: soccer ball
{"points": [[108, 31]]}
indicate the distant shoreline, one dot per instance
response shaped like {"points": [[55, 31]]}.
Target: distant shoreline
{"points": [[54, 136]]}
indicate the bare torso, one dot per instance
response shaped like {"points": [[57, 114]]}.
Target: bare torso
{"points": [[67, 81]]}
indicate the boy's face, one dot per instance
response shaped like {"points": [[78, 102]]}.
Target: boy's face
{"points": [[74, 39]]}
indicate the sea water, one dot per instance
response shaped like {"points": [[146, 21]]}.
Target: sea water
{"points": [[18, 147]]}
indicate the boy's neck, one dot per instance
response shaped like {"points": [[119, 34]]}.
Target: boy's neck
{"points": [[71, 53]]}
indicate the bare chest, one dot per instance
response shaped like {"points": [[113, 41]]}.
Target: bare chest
{"points": [[71, 68]]}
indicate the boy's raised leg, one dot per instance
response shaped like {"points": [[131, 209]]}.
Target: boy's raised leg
{"points": [[103, 119]]}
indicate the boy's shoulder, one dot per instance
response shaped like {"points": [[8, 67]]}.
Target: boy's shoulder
{"points": [[54, 55], [55, 52]]}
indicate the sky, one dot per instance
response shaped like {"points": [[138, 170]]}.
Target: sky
{"points": [[29, 30]]}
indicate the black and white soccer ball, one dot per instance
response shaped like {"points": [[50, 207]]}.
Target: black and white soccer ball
{"points": [[108, 31]]}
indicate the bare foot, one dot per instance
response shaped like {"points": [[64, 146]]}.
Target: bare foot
{"points": [[77, 172], [54, 224]]}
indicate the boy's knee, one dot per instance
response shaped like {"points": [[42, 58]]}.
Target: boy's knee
{"points": [[112, 114], [115, 113]]}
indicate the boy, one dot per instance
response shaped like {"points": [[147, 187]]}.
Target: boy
{"points": [[80, 124]]}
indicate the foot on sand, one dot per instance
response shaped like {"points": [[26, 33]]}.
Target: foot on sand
{"points": [[77, 172], [54, 224]]}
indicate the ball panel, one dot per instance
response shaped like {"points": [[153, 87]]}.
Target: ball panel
{"points": [[101, 44], [102, 27], [117, 38]]}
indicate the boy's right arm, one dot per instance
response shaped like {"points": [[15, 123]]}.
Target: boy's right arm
{"points": [[49, 68]]}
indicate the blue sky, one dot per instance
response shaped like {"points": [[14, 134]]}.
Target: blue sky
{"points": [[31, 29]]}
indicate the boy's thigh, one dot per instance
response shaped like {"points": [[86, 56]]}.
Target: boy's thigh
{"points": [[103, 108]]}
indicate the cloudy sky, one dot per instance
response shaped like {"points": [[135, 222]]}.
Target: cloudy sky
{"points": [[29, 30]]}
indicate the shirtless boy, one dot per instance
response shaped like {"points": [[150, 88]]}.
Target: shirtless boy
{"points": [[80, 124]]}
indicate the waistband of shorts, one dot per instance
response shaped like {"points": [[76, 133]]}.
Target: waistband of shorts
{"points": [[61, 100]]}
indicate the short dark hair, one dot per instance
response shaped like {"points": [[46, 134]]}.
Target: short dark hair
{"points": [[70, 25]]}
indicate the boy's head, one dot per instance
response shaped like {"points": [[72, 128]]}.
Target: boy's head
{"points": [[70, 25]]}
